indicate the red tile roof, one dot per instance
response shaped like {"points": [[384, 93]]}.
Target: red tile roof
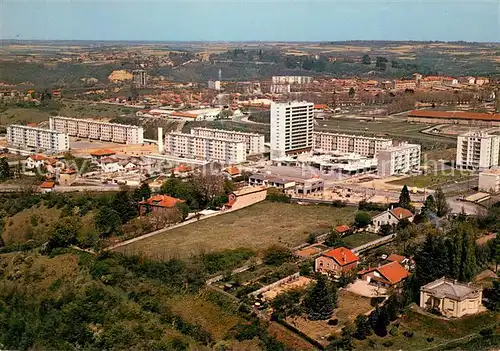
{"points": [[342, 228], [162, 201], [38, 157], [343, 256], [102, 152], [233, 171], [183, 114], [47, 185], [182, 168], [395, 257], [394, 272], [455, 115], [401, 213]]}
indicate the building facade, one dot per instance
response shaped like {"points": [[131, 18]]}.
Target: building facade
{"points": [[345, 143], [291, 128], [477, 150], [451, 298], [214, 84], [292, 79], [489, 181], [139, 77], [205, 148], [336, 262], [254, 142], [117, 133], [400, 159], [37, 138]]}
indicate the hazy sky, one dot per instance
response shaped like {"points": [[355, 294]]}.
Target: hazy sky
{"points": [[233, 20]]}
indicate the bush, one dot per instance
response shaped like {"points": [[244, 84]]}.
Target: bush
{"points": [[277, 255], [333, 322], [430, 339], [408, 334], [394, 331], [486, 332], [338, 203], [388, 343]]}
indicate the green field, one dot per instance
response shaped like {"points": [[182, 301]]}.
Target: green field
{"points": [[256, 227], [393, 128], [358, 239], [23, 115], [431, 331], [434, 179]]}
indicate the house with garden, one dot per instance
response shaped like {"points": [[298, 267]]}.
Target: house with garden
{"points": [[391, 217], [451, 298], [159, 204], [336, 262], [390, 275]]}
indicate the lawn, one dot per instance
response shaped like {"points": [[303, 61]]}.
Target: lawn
{"points": [[349, 307], [437, 330], [434, 179], [256, 227], [358, 239]]}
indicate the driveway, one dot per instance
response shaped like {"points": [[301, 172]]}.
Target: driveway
{"points": [[361, 287]]}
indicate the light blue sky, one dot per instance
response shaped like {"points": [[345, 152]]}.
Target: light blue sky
{"points": [[232, 20]]}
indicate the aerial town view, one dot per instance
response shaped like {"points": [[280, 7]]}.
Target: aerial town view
{"points": [[249, 175]]}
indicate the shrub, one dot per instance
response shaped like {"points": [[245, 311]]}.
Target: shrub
{"points": [[486, 332], [277, 255], [394, 331], [333, 322], [408, 334], [430, 339], [388, 343]]}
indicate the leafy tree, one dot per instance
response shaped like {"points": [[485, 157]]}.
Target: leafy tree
{"points": [[442, 207], [183, 209], [5, 172], [142, 193], [494, 296], [287, 304], [363, 328], [366, 60], [362, 219], [432, 260], [334, 240], [107, 220], [65, 232], [386, 229], [404, 198], [495, 251], [318, 302], [352, 92], [430, 204], [277, 255], [124, 205]]}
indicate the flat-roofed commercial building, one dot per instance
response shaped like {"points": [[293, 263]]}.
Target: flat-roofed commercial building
{"points": [[477, 150], [345, 143], [398, 160], [291, 128], [489, 181], [37, 138], [254, 142], [205, 148], [292, 79], [81, 128]]}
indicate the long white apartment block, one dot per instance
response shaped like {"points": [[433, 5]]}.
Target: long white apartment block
{"points": [[346, 143], [254, 142], [292, 79], [37, 138], [82, 128], [291, 128], [205, 148], [399, 159], [477, 150]]}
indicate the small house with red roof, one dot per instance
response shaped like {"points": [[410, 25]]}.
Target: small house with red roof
{"points": [[47, 186], [35, 161], [67, 176], [389, 275], [232, 172], [343, 229], [98, 154], [335, 262], [160, 204], [390, 217]]}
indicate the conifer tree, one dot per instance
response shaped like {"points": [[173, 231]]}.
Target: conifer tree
{"points": [[404, 198], [318, 302]]}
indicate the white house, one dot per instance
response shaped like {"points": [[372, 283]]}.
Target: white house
{"points": [[35, 161], [110, 165], [391, 217]]}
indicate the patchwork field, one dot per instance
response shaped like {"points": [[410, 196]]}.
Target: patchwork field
{"points": [[256, 227]]}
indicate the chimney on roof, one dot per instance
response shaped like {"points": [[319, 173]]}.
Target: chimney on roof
{"points": [[392, 207], [400, 216], [454, 281]]}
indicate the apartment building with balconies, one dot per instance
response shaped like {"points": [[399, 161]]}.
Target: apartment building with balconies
{"points": [[254, 142], [399, 159], [37, 138], [477, 150], [81, 128], [345, 143], [222, 150]]}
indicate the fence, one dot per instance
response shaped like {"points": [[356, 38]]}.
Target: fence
{"points": [[271, 286]]}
